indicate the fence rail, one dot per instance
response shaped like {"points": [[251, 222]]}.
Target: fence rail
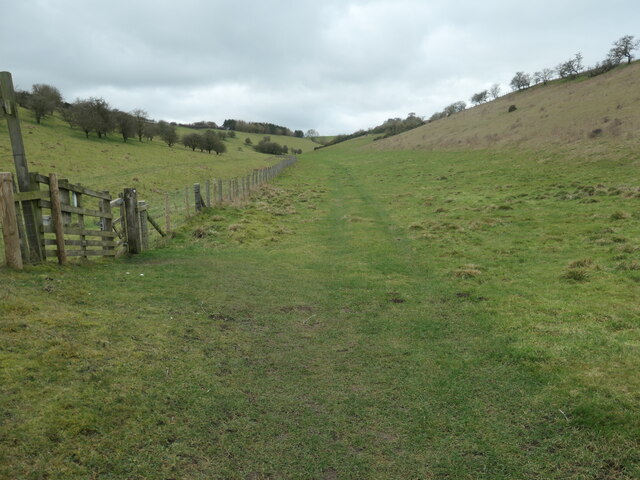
{"points": [[75, 221]]}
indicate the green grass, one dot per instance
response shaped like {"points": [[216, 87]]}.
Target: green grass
{"points": [[371, 315], [110, 164]]}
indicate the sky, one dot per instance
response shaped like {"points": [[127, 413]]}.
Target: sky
{"points": [[335, 66]]}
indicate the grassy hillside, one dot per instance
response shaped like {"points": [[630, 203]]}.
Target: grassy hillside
{"points": [[110, 164], [376, 313], [558, 115]]}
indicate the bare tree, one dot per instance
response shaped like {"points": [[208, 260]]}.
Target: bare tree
{"points": [[623, 48], [543, 76], [494, 91], [44, 100], [520, 81], [140, 117], [480, 97], [126, 124]]}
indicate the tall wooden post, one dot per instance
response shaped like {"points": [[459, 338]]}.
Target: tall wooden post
{"points": [[134, 241], [9, 223], [56, 217], [219, 191], [10, 110]]}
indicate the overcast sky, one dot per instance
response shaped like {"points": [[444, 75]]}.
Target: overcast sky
{"points": [[333, 65]]}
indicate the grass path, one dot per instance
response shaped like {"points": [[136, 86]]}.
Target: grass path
{"points": [[306, 336]]}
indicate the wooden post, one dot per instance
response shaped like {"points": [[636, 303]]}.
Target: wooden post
{"points": [[207, 190], [83, 238], [197, 197], [167, 213], [10, 109], [106, 224], [144, 227], [9, 219], [57, 219], [219, 191], [132, 220]]}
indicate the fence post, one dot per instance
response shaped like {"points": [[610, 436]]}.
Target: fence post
{"points": [[197, 196], [29, 208], [56, 217], [144, 227], [186, 201], [106, 224], [207, 191], [167, 213], [9, 218], [132, 220]]}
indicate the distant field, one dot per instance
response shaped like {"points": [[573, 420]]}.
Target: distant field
{"points": [[110, 164]]}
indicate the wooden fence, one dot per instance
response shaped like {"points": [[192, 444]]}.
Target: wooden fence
{"points": [[75, 221]]}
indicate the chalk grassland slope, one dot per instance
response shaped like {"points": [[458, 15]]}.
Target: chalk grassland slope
{"points": [[596, 113], [110, 164]]}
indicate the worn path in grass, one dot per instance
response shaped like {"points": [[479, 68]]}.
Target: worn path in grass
{"points": [[305, 336]]}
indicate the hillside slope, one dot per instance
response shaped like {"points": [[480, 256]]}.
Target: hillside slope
{"points": [[592, 112]]}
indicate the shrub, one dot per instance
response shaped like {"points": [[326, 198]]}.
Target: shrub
{"points": [[512, 108]]}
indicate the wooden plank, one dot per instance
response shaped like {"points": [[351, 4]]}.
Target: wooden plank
{"points": [[82, 243], [63, 183], [9, 218], [33, 195], [79, 231], [77, 210], [56, 217], [155, 225], [87, 253], [116, 203]]}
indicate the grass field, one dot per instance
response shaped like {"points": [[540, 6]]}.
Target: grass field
{"points": [[151, 167], [388, 314]]}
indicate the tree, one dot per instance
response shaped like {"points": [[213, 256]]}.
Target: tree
{"points": [[192, 141], [44, 100], [454, 108], [480, 97], [104, 121], [543, 76], [571, 68], [168, 133], [125, 123], [623, 48], [495, 91], [520, 81], [83, 116], [141, 121], [312, 133], [298, 133], [150, 130]]}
